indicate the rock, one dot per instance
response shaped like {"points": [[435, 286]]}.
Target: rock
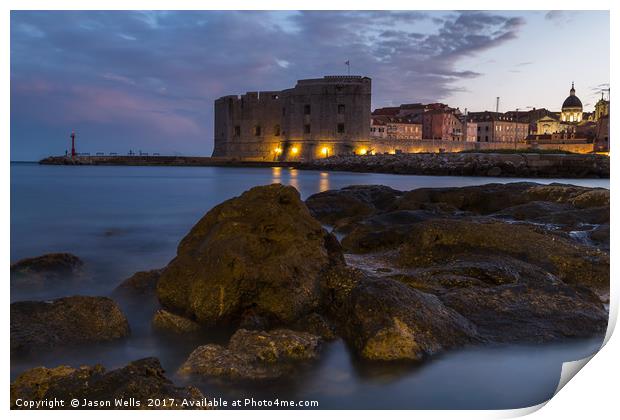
{"points": [[167, 321], [317, 324], [140, 380], [600, 236], [386, 320], [529, 312], [441, 241], [510, 300], [495, 171], [351, 202], [141, 284], [45, 270], [261, 252], [479, 199], [41, 326], [254, 355]]}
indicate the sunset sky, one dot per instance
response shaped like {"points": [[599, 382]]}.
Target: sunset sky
{"points": [[147, 80]]}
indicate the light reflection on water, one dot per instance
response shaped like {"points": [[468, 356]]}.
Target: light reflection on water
{"points": [[120, 220]]}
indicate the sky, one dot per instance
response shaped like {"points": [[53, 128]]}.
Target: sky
{"points": [[147, 80]]}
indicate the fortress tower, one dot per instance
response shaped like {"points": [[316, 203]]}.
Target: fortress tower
{"points": [[316, 118]]}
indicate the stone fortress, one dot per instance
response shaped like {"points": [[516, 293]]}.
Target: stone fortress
{"points": [[317, 118], [330, 116]]}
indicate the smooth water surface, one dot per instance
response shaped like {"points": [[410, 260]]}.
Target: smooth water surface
{"points": [[120, 220]]}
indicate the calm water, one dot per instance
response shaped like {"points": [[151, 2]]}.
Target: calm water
{"points": [[120, 220]]}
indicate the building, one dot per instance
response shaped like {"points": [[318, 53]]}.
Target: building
{"points": [[395, 128], [442, 124], [601, 109], [316, 118], [498, 127], [572, 109]]}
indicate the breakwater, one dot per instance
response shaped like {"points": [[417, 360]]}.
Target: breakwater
{"points": [[536, 165], [541, 165]]}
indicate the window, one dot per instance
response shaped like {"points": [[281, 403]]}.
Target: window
{"points": [[486, 138], [478, 139], [283, 111], [340, 128], [486, 128], [341, 109], [237, 131], [306, 109], [257, 130], [307, 128], [276, 130]]}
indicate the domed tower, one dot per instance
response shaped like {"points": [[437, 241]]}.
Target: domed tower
{"points": [[572, 109]]}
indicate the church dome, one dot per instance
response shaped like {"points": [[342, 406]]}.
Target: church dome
{"points": [[572, 101]]}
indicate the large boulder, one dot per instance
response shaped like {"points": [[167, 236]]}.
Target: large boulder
{"points": [[134, 384], [46, 270], [41, 326], [254, 355], [260, 254]]}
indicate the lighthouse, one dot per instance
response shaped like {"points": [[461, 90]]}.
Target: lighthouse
{"points": [[73, 154]]}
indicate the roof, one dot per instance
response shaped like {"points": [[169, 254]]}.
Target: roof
{"points": [[572, 102]]}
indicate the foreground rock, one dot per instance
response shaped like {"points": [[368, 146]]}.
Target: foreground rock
{"points": [[383, 319], [40, 326], [258, 255], [520, 262], [140, 380], [46, 270], [254, 355]]}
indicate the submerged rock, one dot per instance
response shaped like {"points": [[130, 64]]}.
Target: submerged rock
{"points": [[140, 380], [260, 253], [46, 270], [70, 321], [254, 355]]}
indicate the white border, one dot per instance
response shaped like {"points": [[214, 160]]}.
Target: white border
{"points": [[591, 395]]}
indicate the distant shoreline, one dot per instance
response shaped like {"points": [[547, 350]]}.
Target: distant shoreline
{"points": [[529, 165]]}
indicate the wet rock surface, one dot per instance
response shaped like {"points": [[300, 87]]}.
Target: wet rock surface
{"points": [[40, 326], [140, 380], [260, 254], [46, 270], [254, 355]]}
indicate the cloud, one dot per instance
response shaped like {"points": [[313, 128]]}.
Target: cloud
{"points": [[156, 74]]}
